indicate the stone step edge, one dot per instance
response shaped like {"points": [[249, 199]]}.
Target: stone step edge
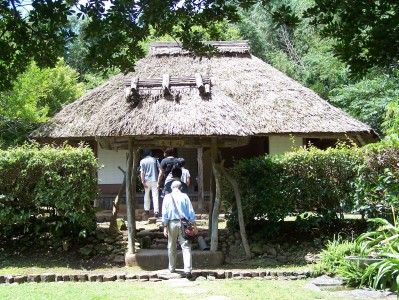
{"points": [[154, 276]]}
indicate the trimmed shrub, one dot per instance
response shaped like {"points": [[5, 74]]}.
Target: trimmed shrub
{"points": [[48, 185], [262, 184], [324, 182], [377, 180], [321, 180]]}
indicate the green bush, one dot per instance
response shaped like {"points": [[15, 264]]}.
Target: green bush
{"points": [[333, 262], [377, 180], [381, 242], [275, 186], [317, 186], [261, 183], [48, 185], [320, 180]]}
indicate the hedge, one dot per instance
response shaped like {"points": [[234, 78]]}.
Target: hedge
{"points": [[324, 182], [47, 185]]}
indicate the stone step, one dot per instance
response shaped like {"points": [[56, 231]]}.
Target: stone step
{"points": [[155, 259]]}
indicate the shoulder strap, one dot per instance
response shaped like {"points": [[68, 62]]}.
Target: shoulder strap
{"points": [[174, 203], [156, 165]]}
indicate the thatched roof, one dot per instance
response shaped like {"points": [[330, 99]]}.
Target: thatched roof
{"points": [[247, 97]]}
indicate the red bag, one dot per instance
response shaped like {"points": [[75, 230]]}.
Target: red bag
{"points": [[187, 230]]}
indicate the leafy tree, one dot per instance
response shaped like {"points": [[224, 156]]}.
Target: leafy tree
{"points": [[36, 96], [390, 126], [294, 47], [39, 30], [366, 32], [367, 99]]}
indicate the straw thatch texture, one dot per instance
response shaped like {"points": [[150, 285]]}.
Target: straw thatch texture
{"points": [[248, 97]]}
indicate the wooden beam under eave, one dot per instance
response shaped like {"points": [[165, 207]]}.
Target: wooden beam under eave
{"points": [[178, 142]]}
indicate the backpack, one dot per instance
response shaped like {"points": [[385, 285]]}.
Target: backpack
{"points": [[172, 165]]}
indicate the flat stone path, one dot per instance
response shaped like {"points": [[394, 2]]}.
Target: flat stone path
{"points": [[334, 286]]}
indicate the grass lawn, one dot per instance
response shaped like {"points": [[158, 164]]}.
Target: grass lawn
{"points": [[172, 289]]}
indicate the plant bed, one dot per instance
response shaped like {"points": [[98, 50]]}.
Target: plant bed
{"points": [[363, 261]]}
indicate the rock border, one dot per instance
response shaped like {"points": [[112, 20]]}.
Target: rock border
{"points": [[155, 276]]}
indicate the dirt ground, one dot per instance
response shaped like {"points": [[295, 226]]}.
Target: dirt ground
{"points": [[24, 252]]}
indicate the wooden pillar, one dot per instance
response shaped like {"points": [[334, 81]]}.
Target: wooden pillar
{"points": [[130, 196], [216, 203], [134, 189], [212, 193], [200, 179]]}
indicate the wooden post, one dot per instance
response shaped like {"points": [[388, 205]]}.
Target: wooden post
{"points": [[216, 204], [241, 222], [200, 179], [134, 187], [115, 207], [130, 209], [212, 193]]}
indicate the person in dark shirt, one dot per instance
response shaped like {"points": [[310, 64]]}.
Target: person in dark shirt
{"points": [[176, 176], [163, 177]]}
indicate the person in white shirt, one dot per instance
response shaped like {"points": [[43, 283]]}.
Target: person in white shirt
{"points": [[149, 170], [185, 175]]}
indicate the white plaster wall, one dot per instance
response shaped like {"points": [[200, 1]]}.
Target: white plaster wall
{"points": [[283, 143], [111, 159]]}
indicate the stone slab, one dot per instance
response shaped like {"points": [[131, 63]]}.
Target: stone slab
{"points": [[155, 259]]}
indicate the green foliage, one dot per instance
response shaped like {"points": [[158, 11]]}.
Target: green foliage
{"points": [[36, 96], [320, 180], [49, 184], [382, 242], [295, 48], [302, 53], [333, 262], [307, 180], [365, 32], [262, 198], [324, 183], [367, 99], [39, 34], [377, 180], [390, 126], [114, 33]]}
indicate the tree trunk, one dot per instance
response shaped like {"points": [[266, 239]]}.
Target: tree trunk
{"points": [[113, 228], [212, 193], [129, 203], [241, 222], [134, 188], [216, 204]]}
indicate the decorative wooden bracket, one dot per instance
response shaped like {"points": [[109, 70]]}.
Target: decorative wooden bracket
{"points": [[131, 92], [166, 84], [200, 83], [133, 86]]}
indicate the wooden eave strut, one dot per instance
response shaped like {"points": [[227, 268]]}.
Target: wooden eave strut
{"points": [[165, 84]]}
